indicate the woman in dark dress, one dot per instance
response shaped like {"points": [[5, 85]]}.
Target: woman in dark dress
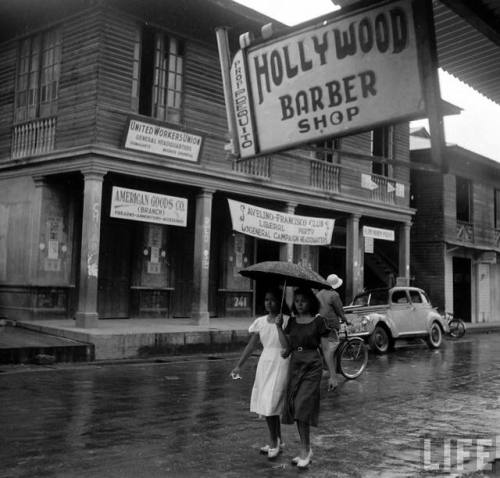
{"points": [[305, 333]]}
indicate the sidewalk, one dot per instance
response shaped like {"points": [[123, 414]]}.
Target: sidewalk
{"points": [[139, 338], [133, 338]]}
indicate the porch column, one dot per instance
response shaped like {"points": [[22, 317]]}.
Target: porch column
{"points": [[36, 217], [86, 315], [286, 250], [353, 262], [404, 253], [202, 256]]}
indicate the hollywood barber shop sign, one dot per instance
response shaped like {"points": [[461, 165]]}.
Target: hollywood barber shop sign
{"points": [[346, 74]]}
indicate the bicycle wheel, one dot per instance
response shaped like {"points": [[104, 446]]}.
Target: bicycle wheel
{"points": [[352, 357], [457, 328]]}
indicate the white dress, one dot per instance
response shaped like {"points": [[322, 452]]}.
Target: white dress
{"points": [[269, 388]]}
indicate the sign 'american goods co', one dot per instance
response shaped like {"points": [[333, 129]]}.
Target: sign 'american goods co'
{"points": [[346, 74], [145, 206]]}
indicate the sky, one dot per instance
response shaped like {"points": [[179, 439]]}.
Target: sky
{"points": [[477, 128]]}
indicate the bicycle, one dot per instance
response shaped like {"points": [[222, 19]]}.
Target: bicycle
{"points": [[351, 356], [456, 325]]}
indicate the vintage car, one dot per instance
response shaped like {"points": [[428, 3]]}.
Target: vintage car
{"points": [[381, 316]]}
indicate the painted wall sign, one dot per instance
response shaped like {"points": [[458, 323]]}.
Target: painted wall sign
{"points": [[377, 233], [145, 206], [347, 74], [279, 226], [152, 138]]}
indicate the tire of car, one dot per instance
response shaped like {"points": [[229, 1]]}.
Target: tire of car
{"points": [[380, 341], [435, 337]]}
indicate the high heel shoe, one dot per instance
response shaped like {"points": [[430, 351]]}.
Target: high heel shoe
{"points": [[265, 449], [274, 452], [304, 463]]}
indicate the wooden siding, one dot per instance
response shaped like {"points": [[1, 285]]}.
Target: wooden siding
{"points": [[428, 270], [427, 189], [114, 94], [76, 118], [8, 56]]}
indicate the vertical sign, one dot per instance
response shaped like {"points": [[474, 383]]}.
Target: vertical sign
{"points": [[241, 103]]}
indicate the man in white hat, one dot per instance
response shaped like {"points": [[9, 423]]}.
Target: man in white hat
{"points": [[331, 306]]}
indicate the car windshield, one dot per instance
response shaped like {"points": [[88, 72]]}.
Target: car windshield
{"points": [[374, 297]]}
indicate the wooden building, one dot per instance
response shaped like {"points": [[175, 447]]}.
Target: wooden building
{"points": [[76, 77], [455, 238]]}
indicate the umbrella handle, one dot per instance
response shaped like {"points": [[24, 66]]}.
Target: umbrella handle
{"points": [[283, 297]]}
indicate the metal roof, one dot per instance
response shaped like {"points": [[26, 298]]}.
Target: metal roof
{"points": [[468, 42]]}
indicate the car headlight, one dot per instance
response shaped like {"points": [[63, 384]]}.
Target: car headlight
{"points": [[365, 321]]}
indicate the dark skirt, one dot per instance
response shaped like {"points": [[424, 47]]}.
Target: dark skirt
{"points": [[303, 390]]}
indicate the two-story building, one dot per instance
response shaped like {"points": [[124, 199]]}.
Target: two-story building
{"points": [[455, 238], [83, 87]]}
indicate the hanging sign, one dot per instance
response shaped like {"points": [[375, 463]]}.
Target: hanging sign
{"points": [[280, 227], [346, 74], [377, 233], [145, 206], [156, 139]]}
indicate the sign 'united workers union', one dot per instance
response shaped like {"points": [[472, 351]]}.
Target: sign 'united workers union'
{"points": [[347, 74], [156, 139]]}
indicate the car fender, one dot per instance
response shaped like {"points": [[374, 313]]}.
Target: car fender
{"points": [[387, 320], [435, 316], [376, 318]]}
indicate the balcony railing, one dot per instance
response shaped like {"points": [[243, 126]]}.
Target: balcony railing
{"points": [[34, 137], [325, 176], [385, 190], [258, 167], [465, 232]]}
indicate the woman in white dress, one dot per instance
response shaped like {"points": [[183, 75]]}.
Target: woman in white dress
{"points": [[268, 393]]}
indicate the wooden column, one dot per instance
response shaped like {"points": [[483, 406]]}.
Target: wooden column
{"points": [[286, 250], [202, 257], [86, 315], [36, 217], [353, 262], [404, 254]]}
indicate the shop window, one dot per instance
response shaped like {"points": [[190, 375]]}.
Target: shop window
{"points": [[328, 150], [463, 199], [382, 146], [158, 69], [497, 208], [38, 73]]}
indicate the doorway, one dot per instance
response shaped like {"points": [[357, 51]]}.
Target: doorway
{"points": [[462, 288], [114, 269]]}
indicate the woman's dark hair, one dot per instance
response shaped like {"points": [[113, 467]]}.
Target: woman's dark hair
{"points": [[278, 294], [309, 294]]}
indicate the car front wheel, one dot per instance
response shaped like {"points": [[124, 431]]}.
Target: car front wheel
{"points": [[380, 342], [435, 337]]}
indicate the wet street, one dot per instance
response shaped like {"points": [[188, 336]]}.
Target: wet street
{"points": [[415, 412]]}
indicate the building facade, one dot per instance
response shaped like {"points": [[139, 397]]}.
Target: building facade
{"points": [[83, 89], [455, 239]]}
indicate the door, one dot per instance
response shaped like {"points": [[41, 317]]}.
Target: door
{"points": [[114, 269], [462, 288], [421, 309], [401, 312]]}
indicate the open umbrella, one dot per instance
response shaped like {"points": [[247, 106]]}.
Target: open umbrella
{"points": [[286, 273]]}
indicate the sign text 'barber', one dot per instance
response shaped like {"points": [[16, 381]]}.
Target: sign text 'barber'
{"points": [[346, 74]]}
